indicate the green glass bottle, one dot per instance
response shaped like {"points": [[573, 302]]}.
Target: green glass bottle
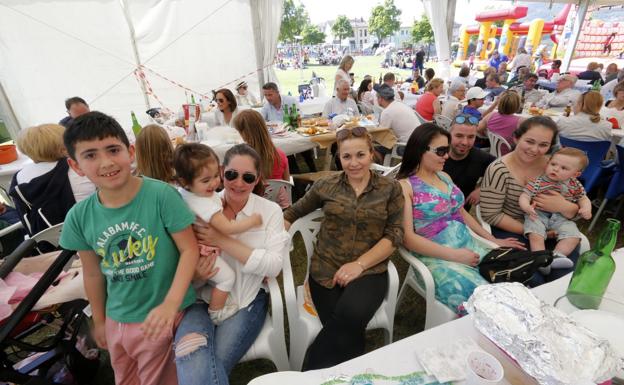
{"points": [[286, 116], [293, 116], [594, 270], [192, 99], [136, 127]]}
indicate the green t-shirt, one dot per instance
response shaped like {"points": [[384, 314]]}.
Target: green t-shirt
{"points": [[139, 257]]}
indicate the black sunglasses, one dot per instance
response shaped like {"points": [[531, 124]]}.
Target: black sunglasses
{"points": [[462, 119], [231, 175], [346, 133], [440, 151], [220, 100]]}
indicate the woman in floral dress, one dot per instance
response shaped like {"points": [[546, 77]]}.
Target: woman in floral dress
{"points": [[435, 223]]}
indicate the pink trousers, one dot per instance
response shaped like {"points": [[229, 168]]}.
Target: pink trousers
{"points": [[137, 360]]}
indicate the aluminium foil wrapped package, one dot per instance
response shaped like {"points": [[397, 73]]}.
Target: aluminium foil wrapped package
{"points": [[545, 342]]}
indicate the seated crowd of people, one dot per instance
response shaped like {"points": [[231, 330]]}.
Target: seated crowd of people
{"points": [[176, 243]]}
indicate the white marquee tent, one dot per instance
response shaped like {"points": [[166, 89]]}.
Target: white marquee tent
{"points": [[100, 50]]}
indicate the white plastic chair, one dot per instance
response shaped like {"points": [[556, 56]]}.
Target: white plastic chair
{"points": [[271, 342], [273, 187], [420, 118], [496, 144], [51, 234], [304, 326], [437, 313], [443, 121], [388, 171], [394, 154]]}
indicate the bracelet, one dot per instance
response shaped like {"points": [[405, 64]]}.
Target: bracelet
{"points": [[360, 264]]}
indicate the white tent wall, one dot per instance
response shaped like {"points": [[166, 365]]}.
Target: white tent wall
{"points": [[437, 12], [51, 50]]}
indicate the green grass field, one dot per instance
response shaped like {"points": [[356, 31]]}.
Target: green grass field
{"points": [[364, 65]]}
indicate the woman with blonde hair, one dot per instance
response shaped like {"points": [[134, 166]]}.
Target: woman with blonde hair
{"points": [[45, 190], [342, 73], [586, 123], [504, 121], [154, 153], [428, 104], [274, 164]]}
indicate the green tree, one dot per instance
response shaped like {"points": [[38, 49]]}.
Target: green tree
{"points": [[312, 35], [294, 19], [423, 33], [385, 20], [342, 28]]}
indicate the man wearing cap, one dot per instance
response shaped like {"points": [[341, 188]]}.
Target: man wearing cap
{"points": [[564, 93], [466, 164], [245, 97], [342, 103], [397, 116], [475, 97]]}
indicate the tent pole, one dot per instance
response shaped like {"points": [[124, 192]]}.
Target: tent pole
{"points": [[450, 20], [576, 32], [10, 119], [135, 51], [258, 46]]}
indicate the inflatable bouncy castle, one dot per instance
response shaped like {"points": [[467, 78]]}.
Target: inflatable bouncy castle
{"points": [[512, 35]]}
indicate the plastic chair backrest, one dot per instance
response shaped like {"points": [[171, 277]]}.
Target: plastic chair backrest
{"points": [[420, 118], [496, 144], [443, 121], [616, 185], [273, 187], [596, 152]]}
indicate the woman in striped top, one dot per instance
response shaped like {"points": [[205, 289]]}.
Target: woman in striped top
{"points": [[506, 177]]}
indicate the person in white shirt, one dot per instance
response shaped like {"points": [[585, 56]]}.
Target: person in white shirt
{"points": [[564, 93], [342, 73], [527, 90], [397, 116], [457, 93], [273, 108], [463, 76], [342, 103], [586, 124], [522, 59], [227, 107], [607, 89], [244, 97]]}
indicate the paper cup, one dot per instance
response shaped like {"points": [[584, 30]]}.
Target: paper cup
{"points": [[483, 369]]}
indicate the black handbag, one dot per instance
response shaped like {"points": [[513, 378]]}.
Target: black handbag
{"points": [[506, 264]]}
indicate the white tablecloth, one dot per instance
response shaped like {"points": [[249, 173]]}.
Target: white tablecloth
{"points": [[399, 358], [8, 170]]}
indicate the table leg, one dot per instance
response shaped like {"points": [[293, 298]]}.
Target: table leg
{"points": [[327, 159]]}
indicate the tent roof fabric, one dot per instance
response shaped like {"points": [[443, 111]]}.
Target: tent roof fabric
{"points": [[52, 50]]}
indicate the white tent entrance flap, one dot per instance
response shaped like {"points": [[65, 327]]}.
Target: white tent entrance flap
{"points": [[51, 50]]}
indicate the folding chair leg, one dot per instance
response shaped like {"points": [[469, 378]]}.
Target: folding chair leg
{"points": [[593, 222]]}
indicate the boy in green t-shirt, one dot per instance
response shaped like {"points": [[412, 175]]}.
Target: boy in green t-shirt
{"points": [[137, 248]]}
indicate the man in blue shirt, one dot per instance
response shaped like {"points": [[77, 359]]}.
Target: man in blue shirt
{"points": [[475, 97], [496, 59], [273, 108]]}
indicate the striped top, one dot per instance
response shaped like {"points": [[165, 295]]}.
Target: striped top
{"points": [[500, 192]]}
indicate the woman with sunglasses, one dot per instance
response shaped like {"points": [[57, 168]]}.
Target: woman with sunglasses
{"points": [[253, 255], [361, 227], [244, 97], [226, 107], [435, 222], [504, 181]]}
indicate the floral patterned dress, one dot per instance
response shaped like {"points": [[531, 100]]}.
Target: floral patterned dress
{"points": [[437, 217]]}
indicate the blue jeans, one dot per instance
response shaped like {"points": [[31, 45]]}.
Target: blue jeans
{"points": [[539, 278], [225, 344]]}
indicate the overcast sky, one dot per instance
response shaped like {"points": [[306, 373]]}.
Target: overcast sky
{"points": [[323, 10]]}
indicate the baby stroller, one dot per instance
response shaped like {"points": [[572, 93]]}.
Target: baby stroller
{"points": [[39, 346]]}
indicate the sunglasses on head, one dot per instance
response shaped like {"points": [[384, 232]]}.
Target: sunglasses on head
{"points": [[345, 133], [439, 151], [463, 119], [231, 175]]}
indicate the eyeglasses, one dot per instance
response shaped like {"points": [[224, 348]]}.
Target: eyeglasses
{"points": [[440, 151], [231, 175], [346, 133], [244, 87], [220, 100], [462, 119]]}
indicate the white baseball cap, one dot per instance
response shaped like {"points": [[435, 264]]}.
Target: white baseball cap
{"points": [[476, 93]]}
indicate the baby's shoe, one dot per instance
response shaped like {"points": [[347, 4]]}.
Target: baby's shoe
{"points": [[218, 316], [561, 261]]}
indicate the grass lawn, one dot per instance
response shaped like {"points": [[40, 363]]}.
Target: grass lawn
{"points": [[364, 65]]}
